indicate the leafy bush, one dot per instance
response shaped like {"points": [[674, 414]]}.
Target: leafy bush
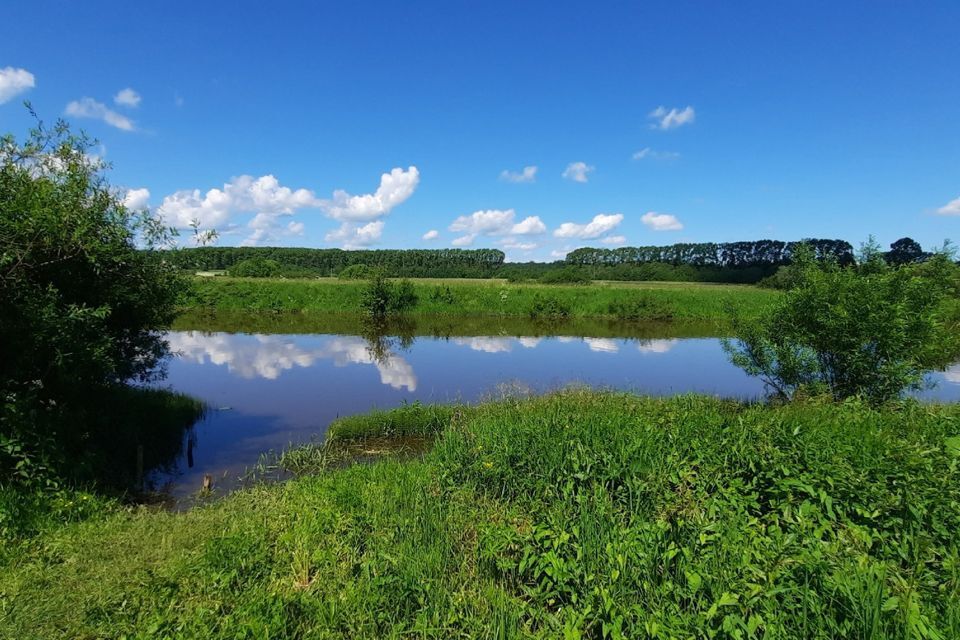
{"points": [[256, 268], [640, 306], [80, 305], [381, 297], [549, 307], [869, 330], [567, 275], [356, 272], [443, 295]]}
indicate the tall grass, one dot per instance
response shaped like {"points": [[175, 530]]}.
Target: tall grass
{"points": [[572, 515], [483, 298]]}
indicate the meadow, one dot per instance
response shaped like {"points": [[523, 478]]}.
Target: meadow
{"points": [[577, 515], [458, 297]]}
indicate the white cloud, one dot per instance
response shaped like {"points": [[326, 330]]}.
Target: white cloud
{"points": [[577, 171], [13, 82], [90, 108], [395, 187], [952, 208], [433, 234], [244, 194], [602, 345], [529, 174], [495, 223], [671, 119], [137, 199], [127, 98], [485, 344], [601, 224], [614, 240], [661, 221], [513, 243], [650, 154], [268, 356], [352, 236], [295, 228], [659, 345]]}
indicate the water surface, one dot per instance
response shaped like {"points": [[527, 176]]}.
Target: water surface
{"points": [[267, 391]]}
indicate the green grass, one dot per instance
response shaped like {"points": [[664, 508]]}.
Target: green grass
{"points": [[677, 301], [572, 515]]}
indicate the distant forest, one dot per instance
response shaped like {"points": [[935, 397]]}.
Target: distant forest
{"points": [[740, 262]]}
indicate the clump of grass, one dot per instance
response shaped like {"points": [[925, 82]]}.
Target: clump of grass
{"points": [[549, 307], [414, 419], [641, 306], [577, 514]]}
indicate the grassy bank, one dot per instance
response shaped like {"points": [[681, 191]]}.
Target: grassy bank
{"points": [[630, 301], [572, 515], [97, 461]]}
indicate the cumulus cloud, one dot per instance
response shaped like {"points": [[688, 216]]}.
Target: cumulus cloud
{"points": [[351, 235], [665, 119], [244, 194], [90, 108], [614, 240], [13, 82], [529, 174], [271, 202], [659, 345], [651, 154], [137, 199], [433, 234], [513, 243], [495, 223], [268, 356], [661, 221], [601, 224], [577, 171], [127, 98], [395, 187], [952, 208], [602, 345]]}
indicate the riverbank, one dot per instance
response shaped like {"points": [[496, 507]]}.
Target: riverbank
{"points": [[577, 514], [461, 298]]}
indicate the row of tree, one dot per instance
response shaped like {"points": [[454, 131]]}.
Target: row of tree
{"points": [[727, 255], [411, 263]]}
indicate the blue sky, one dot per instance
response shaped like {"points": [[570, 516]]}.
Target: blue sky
{"points": [[371, 124]]}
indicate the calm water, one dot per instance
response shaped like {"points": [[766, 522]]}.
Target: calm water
{"points": [[267, 391]]}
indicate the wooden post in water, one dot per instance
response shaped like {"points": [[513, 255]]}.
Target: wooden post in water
{"points": [[140, 467], [207, 482]]}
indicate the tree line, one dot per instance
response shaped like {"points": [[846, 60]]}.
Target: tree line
{"points": [[409, 263], [725, 255]]}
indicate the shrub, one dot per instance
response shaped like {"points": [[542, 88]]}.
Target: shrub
{"points": [[256, 268], [381, 297], [549, 307], [355, 272], [567, 275], [642, 306], [869, 330], [443, 295]]}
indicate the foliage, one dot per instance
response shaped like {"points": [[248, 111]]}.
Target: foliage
{"points": [[355, 272], [382, 297], [785, 277], [687, 302], [80, 305], [255, 268], [905, 251], [549, 307], [409, 263], [641, 306], [566, 275], [728, 255], [579, 515], [869, 330]]}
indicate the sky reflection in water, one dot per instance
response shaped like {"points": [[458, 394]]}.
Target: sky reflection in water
{"points": [[269, 391]]}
